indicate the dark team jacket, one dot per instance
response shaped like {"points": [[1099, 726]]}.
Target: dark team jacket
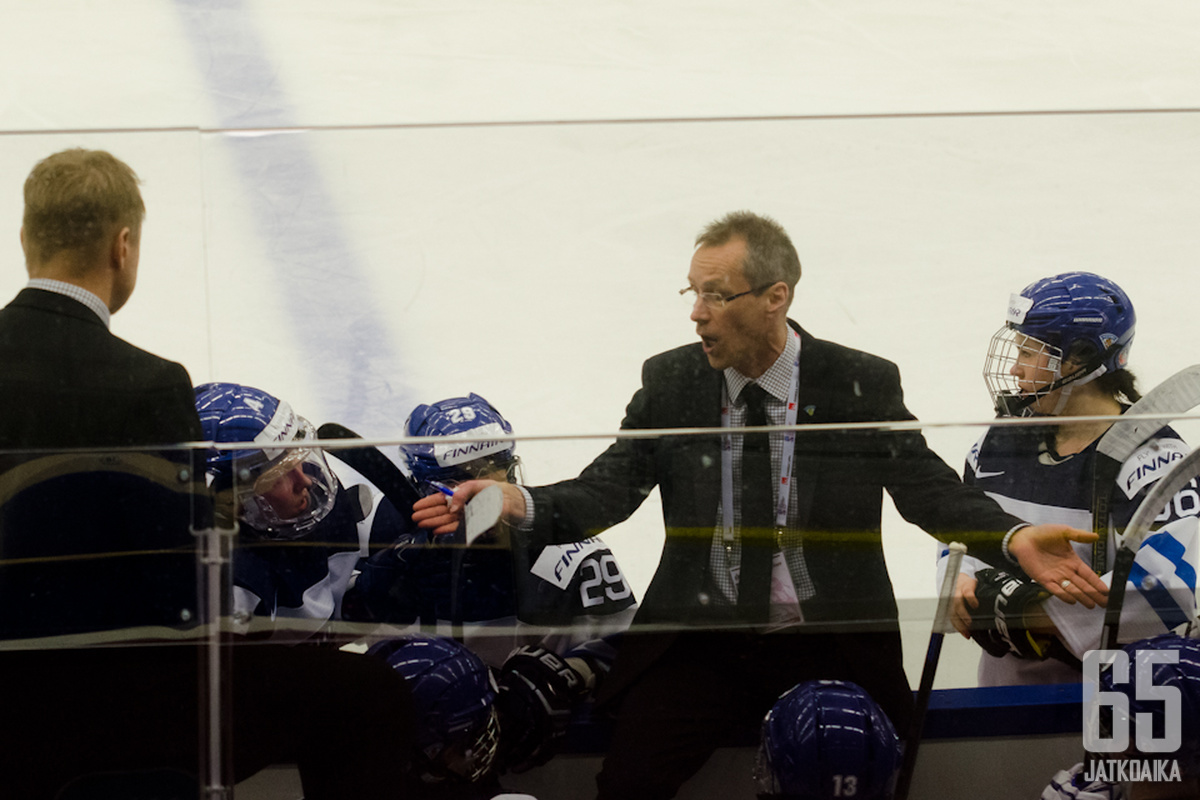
{"points": [[566, 597], [1018, 463], [308, 578]]}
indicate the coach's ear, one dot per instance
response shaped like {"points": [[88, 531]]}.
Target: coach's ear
{"points": [[123, 263], [123, 247], [777, 296]]}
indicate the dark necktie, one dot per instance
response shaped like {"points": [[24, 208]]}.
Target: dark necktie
{"points": [[758, 511]]}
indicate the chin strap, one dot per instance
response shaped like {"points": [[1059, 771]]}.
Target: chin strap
{"points": [[1018, 406]]}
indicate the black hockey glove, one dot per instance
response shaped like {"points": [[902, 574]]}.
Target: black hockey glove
{"points": [[998, 625], [537, 692]]}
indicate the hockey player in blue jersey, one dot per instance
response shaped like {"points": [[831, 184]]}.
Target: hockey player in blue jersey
{"points": [[301, 533], [541, 619], [1064, 351]]}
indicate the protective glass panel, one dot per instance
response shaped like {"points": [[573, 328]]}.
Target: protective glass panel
{"points": [[361, 208]]}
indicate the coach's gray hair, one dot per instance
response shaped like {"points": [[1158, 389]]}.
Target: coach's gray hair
{"points": [[770, 254]]}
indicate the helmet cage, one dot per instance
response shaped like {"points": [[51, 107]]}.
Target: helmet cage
{"points": [[1007, 348], [468, 760]]}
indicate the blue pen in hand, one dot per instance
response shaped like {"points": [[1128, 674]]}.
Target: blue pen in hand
{"points": [[443, 488]]}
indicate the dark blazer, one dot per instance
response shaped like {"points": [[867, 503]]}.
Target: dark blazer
{"points": [[66, 381], [115, 525], [841, 476]]}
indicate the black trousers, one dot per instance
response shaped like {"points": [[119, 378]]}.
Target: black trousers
{"points": [[707, 684], [345, 720]]}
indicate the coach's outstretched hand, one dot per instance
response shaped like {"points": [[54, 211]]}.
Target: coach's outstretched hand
{"points": [[440, 514], [1046, 555]]}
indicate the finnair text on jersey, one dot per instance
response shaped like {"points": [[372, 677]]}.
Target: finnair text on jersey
{"points": [[1151, 467]]}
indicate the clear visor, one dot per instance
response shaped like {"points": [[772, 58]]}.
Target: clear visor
{"points": [[1019, 370], [492, 469], [286, 497]]}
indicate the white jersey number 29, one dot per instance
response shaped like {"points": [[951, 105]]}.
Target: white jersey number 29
{"points": [[603, 575]]}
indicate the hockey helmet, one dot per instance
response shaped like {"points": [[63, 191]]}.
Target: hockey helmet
{"points": [[281, 492], [454, 693], [468, 418], [1075, 317], [826, 739]]}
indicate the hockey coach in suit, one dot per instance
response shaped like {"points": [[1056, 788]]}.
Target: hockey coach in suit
{"points": [[67, 382], [768, 536]]}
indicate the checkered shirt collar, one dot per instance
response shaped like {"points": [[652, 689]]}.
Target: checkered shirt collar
{"points": [[75, 293], [776, 380]]}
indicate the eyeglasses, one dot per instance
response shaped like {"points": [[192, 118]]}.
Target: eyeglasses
{"points": [[716, 300]]}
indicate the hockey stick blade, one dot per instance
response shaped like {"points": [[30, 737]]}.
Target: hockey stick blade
{"points": [[1163, 490], [1177, 394], [374, 466], [932, 656]]}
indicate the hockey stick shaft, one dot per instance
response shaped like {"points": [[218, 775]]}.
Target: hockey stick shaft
{"points": [[932, 656], [374, 466], [1177, 394], [1184, 471]]}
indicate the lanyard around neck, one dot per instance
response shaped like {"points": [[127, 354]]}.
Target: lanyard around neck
{"points": [[783, 483]]}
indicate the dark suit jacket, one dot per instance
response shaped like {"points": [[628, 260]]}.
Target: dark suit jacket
{"points": [[66, 381], [69, 521], [841, 478]]}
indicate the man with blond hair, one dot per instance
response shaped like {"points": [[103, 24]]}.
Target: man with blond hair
{"points": [[90, 548], [67, 381]]}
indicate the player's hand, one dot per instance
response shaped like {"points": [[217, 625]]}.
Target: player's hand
{"points": [[1046, 555], [440, 514], [963, 602]]}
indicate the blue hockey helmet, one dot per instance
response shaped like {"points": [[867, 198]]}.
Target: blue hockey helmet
{"points": [[281, 492], [827, 739], [1076, 316], [470, 418], [454, 694], [1181, 674]]}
